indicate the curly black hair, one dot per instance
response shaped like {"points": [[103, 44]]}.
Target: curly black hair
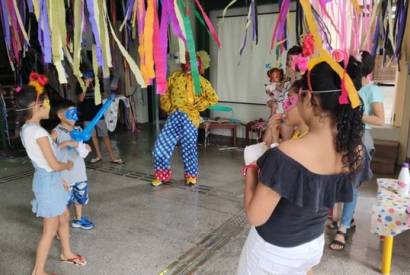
{"points": [[348, 121]]}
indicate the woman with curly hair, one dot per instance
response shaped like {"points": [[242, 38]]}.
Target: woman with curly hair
{"points": [[290, 189], [373, 115]]}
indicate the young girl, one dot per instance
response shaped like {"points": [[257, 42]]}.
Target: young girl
{"points": [[290, 118], [50, 193]]}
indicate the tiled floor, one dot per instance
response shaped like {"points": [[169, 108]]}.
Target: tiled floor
{"points": [[171, 229]]}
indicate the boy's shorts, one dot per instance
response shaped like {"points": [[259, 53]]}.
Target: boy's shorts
{"points": [[101, 128], [79, 193]]}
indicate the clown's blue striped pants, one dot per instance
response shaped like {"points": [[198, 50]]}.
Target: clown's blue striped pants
{"points": [[178, 127]]}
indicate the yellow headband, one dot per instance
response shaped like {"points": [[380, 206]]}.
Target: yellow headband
{"points": [[325, 56]]}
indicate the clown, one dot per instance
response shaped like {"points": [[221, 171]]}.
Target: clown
{"points": [[183, 107]]}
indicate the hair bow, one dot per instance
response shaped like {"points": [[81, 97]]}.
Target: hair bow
{"points": [[308, 45], [300, 62]]}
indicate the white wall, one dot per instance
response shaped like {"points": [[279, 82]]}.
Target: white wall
{"points": [[243, 112]]}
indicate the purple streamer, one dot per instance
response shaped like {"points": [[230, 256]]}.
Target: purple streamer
{"points": [[93, 23], [44, 36], [141, 19], [174, 20], [376, 38], [130, 4], [401, 19], [244, 42], [283, 14], [30, 6], [5, 23]]}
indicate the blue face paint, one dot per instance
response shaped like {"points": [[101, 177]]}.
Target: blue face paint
{"points": [[71, 114]]}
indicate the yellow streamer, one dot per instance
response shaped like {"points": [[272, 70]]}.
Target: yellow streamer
{"points": [[70, 61], [356, 7], [36, 9], [56, 15], [97, 91], [105, 47], [148, 70], [78, 23], [324, 56], [133, 66]]}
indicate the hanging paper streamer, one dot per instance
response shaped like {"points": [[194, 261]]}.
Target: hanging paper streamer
{"points": [[79, 21], [176, 27], [181, 43], [401, 19], [191, 49], [227, 7], [248, 23], [56, 14], [86, 134], [160, 49], [279, 30], [105, 46], [148, 68], [15, 36], [209, 24], [93, 17], [44, 35], [127, 16], [133, 66], [325, 56], [254, 21], [220, 108]]}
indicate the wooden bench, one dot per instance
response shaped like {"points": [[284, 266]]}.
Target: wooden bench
{"points": [[211, 124]]}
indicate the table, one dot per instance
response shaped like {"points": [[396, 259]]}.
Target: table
{"points": [[209, 125], [256, 126], [389, 217]]}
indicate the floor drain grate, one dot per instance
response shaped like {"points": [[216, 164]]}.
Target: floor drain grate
{"points": [[195, 257], [14, 177], [115, 170]]}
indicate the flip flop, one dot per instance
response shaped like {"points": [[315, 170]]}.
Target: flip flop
{"points": [[118, 161], [95, 160], [78, 260]]}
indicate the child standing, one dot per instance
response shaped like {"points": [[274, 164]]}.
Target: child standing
{"points": [[69, 150], [50, 192]]}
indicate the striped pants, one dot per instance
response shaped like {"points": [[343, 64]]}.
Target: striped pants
{"points": [[178, 128]]}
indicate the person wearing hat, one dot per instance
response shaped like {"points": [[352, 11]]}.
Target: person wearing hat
{"points": [[87, 111]]}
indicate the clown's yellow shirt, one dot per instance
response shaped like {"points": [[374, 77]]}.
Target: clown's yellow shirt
{"points": [[180, 96]]}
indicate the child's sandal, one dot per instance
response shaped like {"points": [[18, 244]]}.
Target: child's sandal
{"points": [[333, 225], [342, 245], [77, 260]]}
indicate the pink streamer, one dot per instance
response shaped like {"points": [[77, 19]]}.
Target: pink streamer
{"points": [[280, 23], [209, 24], [160, 48]]}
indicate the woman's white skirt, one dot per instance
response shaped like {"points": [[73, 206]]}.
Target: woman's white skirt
{"points": [[260, 257]]}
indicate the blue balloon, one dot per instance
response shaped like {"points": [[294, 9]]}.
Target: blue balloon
{"points": [[85, 135]]}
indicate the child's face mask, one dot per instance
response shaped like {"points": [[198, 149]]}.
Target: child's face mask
{"points": [[71, 114], [290, 103]]}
